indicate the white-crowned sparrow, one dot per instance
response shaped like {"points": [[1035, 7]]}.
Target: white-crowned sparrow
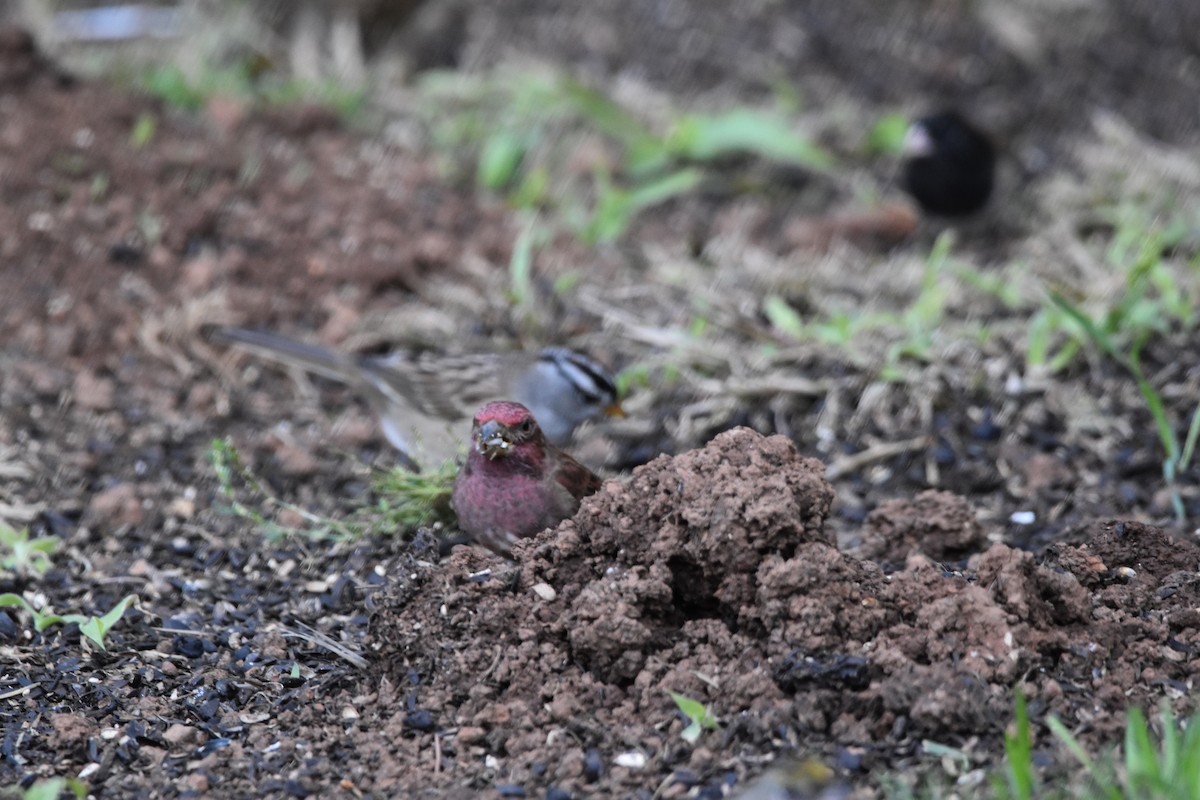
{"points": [[424, 400]]}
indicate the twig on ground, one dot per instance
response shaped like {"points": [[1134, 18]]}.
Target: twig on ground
{"points": [[847, 464]]}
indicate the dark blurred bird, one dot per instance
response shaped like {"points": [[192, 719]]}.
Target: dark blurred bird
{"points": [[949, 166], [514, 482], [422, 399]]}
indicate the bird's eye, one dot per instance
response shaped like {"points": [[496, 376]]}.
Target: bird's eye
{"points": [[527, 426]]}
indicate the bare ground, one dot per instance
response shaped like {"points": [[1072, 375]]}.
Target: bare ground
{"points": [[851, 617]]}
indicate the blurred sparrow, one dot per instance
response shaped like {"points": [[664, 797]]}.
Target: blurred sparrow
{"points": [[514, 482], [423, 399], [950, 165]]}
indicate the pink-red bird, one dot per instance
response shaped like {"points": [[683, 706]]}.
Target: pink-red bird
{"points": [[515, 483]]}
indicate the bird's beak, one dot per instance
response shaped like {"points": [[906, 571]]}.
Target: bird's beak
{"points": [[493, 439], [916, 141], [614, 410]]}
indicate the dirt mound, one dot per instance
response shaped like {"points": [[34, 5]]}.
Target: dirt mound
{"points": [[710, 574]]}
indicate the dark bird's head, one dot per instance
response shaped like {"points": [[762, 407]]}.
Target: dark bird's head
{"points": [[949, 166]]}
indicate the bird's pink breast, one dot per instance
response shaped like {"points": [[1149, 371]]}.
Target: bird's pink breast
{"points": [[518, 505]]}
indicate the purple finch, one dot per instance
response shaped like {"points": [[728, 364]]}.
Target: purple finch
{"points": [[514, 482]]}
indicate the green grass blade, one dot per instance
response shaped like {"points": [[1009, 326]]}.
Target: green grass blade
{"points": [[783, 317], [1158, 411], [1104, 783], [1141, 763], [1089, 325], [744, 130], [500, 159], [1018, 750], [1189, 445], [1071, 743], [520, 267], [672, 185], [1188, 768], [617, 207], [1170, 744]]}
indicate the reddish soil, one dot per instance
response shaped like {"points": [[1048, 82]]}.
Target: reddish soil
{"points": [[711, 574], [715, 572]]}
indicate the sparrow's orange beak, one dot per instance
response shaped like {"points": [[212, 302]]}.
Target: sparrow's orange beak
{"points": [[614, 410]]}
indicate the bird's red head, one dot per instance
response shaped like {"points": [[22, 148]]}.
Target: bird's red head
{"points": [[504, 428], [506, 412]]}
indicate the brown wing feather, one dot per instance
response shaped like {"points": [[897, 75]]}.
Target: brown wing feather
{"points": [[577, 479]]}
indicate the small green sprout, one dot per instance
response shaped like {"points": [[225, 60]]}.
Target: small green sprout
{"points": [[143, 131], [616, 207], [49, 789], [23, 555], [101, 183], [172, 85], [700, 717], [783, 316], [1177, 457], [94, 628]]}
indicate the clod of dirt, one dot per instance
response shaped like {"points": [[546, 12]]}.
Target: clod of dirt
{"points": [[940, 525], [69, 733], [116, 506]]}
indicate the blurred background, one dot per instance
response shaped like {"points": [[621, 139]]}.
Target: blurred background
{"points": [[1137, 57], [711, 198]]}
